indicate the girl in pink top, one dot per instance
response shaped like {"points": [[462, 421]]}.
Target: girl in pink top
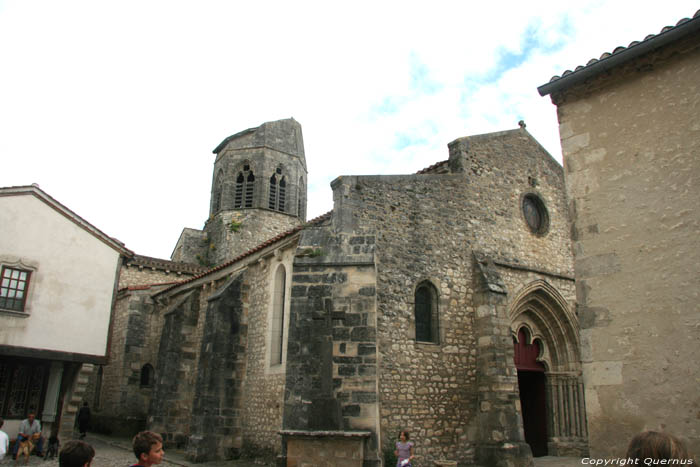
{"points": [[404, 450]]}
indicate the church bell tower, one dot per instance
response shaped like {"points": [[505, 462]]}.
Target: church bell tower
{"points": [[258, 191]]}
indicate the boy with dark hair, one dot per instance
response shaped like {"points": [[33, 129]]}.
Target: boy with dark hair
{"points": [[148, 449], [76, 453]]}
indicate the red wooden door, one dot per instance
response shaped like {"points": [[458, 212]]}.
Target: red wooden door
{"points": [[533, 400]]}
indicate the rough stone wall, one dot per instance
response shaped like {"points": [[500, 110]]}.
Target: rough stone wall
{"points": [[331, 354], [123, 400], [217, 399], [261, 414], [137, 275], [191, 247], [631, 146], [233, 230], [426, 227], [255, 226], [171, 404], [123, 372]]}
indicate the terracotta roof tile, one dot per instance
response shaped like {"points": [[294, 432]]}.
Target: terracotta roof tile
{"points": [[255, 249], [621, 49], [433, 168], [164, 264]]}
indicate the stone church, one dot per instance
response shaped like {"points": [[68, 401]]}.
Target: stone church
{"points": [[441, 303]]}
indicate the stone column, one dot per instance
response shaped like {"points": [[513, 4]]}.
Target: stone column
{"points": [[53, 392], [567, 415], [501, 439]]}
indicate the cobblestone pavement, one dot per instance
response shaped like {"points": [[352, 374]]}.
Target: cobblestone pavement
{"points": [[116, 452]]}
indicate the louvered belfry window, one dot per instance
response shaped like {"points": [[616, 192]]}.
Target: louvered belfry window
{"points": [[218, 193], [278, 191], [245, 183]]}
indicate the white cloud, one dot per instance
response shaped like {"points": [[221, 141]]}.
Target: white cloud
{"points": [[114, 107]]}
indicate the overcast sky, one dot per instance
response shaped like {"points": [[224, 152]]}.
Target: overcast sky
{"points": [[114, 107]]}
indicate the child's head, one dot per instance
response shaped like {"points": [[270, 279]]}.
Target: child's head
{"points": [[404, 435], [76, 453], [655, 445], [148, 448], [2, 422]]}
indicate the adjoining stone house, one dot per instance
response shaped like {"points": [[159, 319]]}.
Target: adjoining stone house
{"points": [[58, 281], [630, 137], [422, 302]]}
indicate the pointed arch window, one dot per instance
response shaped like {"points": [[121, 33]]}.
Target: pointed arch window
{"points": [[277, 334], [278, 191], [245, 182], [300, 200], [218, 191], [426, 313]]}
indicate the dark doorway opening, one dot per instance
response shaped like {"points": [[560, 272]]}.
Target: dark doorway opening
{"points": [[534, 406], [533, 398]]}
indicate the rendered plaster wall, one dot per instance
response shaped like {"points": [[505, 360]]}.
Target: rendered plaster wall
{"points": [[72, 285], [426, 228], [631, 145]]}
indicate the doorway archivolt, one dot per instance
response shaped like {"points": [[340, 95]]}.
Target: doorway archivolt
{"points": [[542, 317]]}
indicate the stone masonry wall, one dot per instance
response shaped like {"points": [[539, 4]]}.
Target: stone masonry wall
{"points": [[426, 227], [631, 145], [261, 414], [331, 381], [254, 226], [123, 402], [135, 275], [215, 430], [173, 393]]}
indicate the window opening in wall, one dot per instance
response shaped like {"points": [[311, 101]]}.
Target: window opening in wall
{"points": [[243, 194], [273, 192], [426, 313], [277, 334], [300, 200], [22, 387], [14, 284], [535, 214], [147, 374], [250, 182], [218, 190], [282, 195], [278, 192]]}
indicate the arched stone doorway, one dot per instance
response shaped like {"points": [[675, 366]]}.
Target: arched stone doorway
{"points": [[533, 396], [546, 333]]}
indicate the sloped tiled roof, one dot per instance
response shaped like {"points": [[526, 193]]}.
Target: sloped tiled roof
{"points": [[255, 249], [622, 55], [437, 168], [165, 265]]}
